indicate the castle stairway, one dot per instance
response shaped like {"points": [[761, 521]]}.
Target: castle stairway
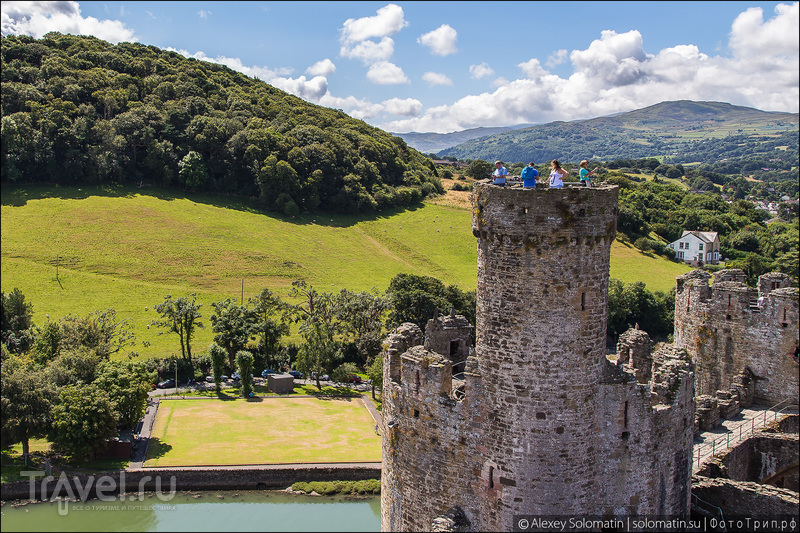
{"points": [[734, 430]]}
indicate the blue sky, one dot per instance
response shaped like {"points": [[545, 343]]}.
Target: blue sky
{"points": [[448, 66]]}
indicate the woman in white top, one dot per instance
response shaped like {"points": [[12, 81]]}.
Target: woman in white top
{"points": [[557, 175]]}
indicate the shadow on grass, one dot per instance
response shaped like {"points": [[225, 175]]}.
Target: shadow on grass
{"points": [[19, 195], [102, 465], [157, 449]]}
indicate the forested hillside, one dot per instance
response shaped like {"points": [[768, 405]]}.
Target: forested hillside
{"points": [[78, 110]]}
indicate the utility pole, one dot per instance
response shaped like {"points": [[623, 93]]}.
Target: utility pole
{"points": [[58, 280], [241, 302]]}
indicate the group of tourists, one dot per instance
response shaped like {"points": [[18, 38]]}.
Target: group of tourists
{"points": [[529, 175]]}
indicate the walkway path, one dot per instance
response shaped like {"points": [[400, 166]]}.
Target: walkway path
{"points": [[732, 431]]}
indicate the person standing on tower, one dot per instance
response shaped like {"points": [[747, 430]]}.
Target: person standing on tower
{"points": [[557, 175], [499, 174], [529, 175]]}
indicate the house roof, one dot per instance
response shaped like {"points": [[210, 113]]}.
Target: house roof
{"points": [[706, 236]]}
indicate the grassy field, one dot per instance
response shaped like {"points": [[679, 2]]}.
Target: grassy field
{"points": [[267, 431], [127, 248]]}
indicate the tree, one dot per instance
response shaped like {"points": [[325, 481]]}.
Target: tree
{"points": [[192, 171], [217, 354], [361, 315], [26, 401], [100, 332], [180, 316], [83, 420], [318, 327], [234, 325], [16, 321], [342, 373], [271, 323], [416, 299], [127, 384], [244, 365], [479, 169], [375, 373]]}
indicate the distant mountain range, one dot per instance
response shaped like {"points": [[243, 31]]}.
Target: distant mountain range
{"points": [[660, 129]]}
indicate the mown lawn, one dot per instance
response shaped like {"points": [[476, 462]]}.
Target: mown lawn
{"points": [[266, 431], [127, 248]]}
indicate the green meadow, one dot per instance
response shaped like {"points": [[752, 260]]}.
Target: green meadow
{"points": [[77, 250]]}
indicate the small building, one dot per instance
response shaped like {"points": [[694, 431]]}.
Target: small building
{"points": [[697, 247], [280, 383]]}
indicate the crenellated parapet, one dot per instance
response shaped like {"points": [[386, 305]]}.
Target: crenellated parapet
{"points": [[728, 327]]}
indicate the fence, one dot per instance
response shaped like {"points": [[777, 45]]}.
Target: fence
{"points": [[725, 442]]}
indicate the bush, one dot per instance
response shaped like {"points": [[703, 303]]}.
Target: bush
{"points": [[327, 488], [644, 244]]}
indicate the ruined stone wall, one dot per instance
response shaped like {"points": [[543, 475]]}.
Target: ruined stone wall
{"points": [[726, 330], [425, 426], [646, 429], [546, 425]]}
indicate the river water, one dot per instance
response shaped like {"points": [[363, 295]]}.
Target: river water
{"points": [[211, 511]]}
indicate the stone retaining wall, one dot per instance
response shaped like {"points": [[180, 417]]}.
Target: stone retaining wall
{"points": [[189, 479]]}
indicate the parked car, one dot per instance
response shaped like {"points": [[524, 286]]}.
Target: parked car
{"points": [[353, 378], [224, 378], [210, 379], [235, 376], [267, 372], [323, 377], [295, 374], [167, 384]]}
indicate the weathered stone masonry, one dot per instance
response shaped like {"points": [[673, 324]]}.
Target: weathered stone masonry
{"points": [[726, 331], [540, 422]]}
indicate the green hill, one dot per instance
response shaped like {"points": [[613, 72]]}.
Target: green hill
{"points": [[667, 128], [80, 111], [127, 248]]}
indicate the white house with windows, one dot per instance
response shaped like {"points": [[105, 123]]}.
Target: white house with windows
{"points": [[695, 247]]}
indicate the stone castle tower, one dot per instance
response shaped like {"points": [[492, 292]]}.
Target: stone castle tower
{"points": [[730, 327], [539, 422]]}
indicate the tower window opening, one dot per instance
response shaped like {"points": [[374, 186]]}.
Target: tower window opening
{"points": [[416, 413], [491, 477], [583, 301], [625, 415]]}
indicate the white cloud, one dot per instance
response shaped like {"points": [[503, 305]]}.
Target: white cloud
{"points": [[359, 108], [499, 82], [480, 71], [750, 35], [386, 73], [436, 78], [409, 107], [312, 90], [324, 67], [441, 41], [369, 51], [150, 14], [38, 18], [556, 58], [615, 59], [203, 13], [388, 21], [533, 69]]}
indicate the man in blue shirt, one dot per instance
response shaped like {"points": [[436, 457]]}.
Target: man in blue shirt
{"points": [[529, 175], [499, 174]]}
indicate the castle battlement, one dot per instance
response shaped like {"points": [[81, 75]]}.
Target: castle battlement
{"points": [[539, 422], [728, 326]]}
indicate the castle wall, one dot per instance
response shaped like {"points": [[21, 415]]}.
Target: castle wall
{"points": [[538, 429], [725, 330]]}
